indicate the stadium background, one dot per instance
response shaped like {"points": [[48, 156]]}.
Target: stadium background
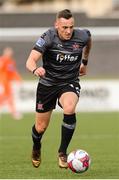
{"points": [[21, 23], [104, 55]]}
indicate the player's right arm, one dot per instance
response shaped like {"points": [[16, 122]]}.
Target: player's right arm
{"points": [[31, 63], [36, 54]]}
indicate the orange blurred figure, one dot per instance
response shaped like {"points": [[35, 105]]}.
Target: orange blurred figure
{"points": [[8, 74]]}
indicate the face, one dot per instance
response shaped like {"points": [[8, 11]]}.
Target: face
{"points": [[8, 52], [65, 27]]}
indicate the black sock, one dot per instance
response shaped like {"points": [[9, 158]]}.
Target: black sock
{"points": [[36, 137], [67, 130]]}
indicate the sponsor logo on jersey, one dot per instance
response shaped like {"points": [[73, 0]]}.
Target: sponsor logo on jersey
{"points": [[66, 57], [40, 42]]}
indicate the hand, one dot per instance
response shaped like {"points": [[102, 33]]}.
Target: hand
{"points": [[83, 70], [40, 71]]}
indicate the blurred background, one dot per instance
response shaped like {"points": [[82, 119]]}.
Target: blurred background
{"points": [[23, 21]]}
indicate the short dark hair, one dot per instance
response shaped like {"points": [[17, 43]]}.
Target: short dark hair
{"points": [[66, 13]]}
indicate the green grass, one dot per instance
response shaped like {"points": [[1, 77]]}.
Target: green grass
{"points": [[97, 133]]}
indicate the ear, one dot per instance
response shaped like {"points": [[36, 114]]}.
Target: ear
{"points": [[56, 24]]}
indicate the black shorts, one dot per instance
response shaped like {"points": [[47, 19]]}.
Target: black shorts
{"points": [[47, 96]]}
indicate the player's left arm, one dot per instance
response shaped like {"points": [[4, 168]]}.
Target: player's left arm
{"points": [[85, 57]]}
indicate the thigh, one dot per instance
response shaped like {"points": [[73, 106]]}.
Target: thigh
{"points": [[68, 100], [70, 94], [68, 97]]}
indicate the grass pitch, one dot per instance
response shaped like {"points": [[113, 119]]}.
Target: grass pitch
{"points": [[97, 133]]}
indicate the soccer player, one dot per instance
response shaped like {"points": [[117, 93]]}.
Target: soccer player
{"points": [[8, 74], [64, 51]]}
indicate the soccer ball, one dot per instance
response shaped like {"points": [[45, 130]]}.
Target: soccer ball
{"points": [[78, 161]]}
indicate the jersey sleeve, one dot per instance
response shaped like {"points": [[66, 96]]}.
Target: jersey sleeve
{"points": [[88, 32], [43, 42], [87, 35]]}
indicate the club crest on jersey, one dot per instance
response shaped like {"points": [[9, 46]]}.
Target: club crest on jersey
{"points": [[75, 46], [66, 57], [40, 42]]}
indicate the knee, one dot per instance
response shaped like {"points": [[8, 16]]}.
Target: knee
{"points": [[40, 127], [69, 108]]}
